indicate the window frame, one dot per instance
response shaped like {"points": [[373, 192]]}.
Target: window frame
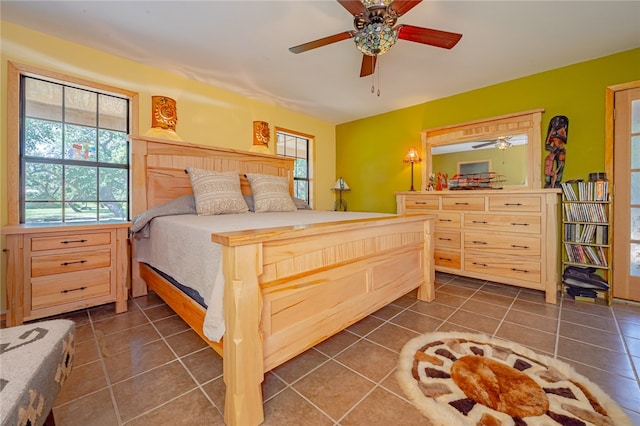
{"points": [[310, 145], [14, 125]]}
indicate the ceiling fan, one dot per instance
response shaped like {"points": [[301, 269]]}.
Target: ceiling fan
{"points": [[375, 32], [501, 142]]}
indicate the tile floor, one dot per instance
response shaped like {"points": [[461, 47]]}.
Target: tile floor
{"points": [[146, 367]]}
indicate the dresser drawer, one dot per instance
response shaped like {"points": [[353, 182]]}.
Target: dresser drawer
{"points": [[505, 203], [503, 223], [447, 221], [463, 203], [503, 267], [417, 202], [70, 241], [447, 239], [519, 245], [69, 262], [447, 258], [60, 289]]}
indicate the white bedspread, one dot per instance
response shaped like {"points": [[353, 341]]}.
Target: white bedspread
{"points": [[181, 247]]}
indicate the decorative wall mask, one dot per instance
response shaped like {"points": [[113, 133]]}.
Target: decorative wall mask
{"points": [[261, 137], [164, 113]]}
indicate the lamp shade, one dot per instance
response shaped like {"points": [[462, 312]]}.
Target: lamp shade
{"points": [[340, 185], [413, 156]]}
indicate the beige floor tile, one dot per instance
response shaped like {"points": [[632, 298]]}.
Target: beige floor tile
{"points": [[151, 299], [488, 309], [365, 326], [192, 408], [539, 322], [158, 312], [475, 321], [534, 339], [387, 312], [297, 367], [634, 346], [592, 336], [588, 308], [215, 389], [120, 322], [333, 388], [129, 339], [433, 309], [84, 332], [416, 322], [86, 352], [493, 298], [369, 359], [595, 356], [382, 408], [186, 342], [126, 364], [630, 329], [502, 289], [391, 336], [146, 391], [204, 364], [170, 325], [95, 409], [457, 290], [449, 299], [337, 343], [289, 408], [83, 380], [547, 310], [602, 323]]}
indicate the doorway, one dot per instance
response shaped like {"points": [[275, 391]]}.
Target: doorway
{"points": [[623, 167]]}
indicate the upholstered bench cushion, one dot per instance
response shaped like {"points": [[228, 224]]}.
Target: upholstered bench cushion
{"points": [[35, 360]]}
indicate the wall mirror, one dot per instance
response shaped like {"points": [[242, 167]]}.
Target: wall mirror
{"points": [[508, 145]]}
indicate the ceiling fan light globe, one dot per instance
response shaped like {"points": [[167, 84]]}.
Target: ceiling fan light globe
{"points": [[375, 39], [373, 3]]}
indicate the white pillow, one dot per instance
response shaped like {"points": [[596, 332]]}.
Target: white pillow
{"points": [[216, 192], [270, 193]]}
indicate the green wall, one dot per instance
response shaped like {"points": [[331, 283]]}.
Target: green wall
{"points": [[369, 152]]}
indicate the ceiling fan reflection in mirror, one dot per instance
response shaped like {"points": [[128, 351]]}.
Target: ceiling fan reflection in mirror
{"points": [[376, 30], [501, 142]]}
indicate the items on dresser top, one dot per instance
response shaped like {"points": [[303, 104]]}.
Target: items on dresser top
{"points": [[507, 236]]}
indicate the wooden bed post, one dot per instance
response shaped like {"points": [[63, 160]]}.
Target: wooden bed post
{"points": [[426, 291], [139, 204], [243, 359]]}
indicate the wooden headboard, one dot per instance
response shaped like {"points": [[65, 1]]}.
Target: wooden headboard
{"points": [[158, 168]]}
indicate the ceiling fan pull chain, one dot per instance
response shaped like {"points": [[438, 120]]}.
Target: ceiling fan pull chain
{"points": [[378, 66], [373, 76]]}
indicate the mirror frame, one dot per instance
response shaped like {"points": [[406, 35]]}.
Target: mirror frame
{"points": [[490, 128]]}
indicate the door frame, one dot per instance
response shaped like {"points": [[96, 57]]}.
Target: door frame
{"points": [[609, 141]]}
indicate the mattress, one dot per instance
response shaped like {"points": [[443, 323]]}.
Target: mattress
{"points": [[180, 246]]}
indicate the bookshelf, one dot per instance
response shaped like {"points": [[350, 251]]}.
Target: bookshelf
{"points": [[586, 249]]}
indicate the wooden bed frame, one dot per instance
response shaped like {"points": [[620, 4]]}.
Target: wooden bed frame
{"points": [[287, 288]]}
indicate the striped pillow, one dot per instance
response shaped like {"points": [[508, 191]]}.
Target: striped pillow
{"points": [[216, 192], [270, 193]]}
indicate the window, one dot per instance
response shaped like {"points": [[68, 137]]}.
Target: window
{"points": [[74, 152], [296, 145]]}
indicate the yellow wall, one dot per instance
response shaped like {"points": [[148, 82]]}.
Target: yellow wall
{"points": [[369, 152], [206, 114]]}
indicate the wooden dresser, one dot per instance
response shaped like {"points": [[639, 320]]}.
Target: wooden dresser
{"points": [[56, 269], [506, 236]]}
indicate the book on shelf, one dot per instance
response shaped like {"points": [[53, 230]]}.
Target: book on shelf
{"points": [[587, 191]]}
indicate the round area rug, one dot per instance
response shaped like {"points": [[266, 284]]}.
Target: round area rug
{"points": [[472, 379]]}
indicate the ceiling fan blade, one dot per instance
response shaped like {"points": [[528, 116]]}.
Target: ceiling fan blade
{"points": [[354, 7], [403, 6], [322, 42], [429, 36], [493, 142], [368, 65]]}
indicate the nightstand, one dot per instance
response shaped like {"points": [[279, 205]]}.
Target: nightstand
{"points": [[57, 269]]}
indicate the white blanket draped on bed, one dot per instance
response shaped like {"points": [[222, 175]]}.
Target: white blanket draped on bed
{"points": [[180, 246]]}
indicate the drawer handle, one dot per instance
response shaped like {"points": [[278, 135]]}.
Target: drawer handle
{"points": [[74, 241], [71, 263], [512, 204], [519, 224], [444, 239], [480, 264], [517, 246], [73, 289], [479, 242], [421, 202], [461, 204], [445, 258], [480, 221], [445, 220], [520, 270]]}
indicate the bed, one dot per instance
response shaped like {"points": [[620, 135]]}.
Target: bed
{"points": [[286, 288]]}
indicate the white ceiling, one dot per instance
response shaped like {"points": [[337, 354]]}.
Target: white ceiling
{"points": [[243, 45]]}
